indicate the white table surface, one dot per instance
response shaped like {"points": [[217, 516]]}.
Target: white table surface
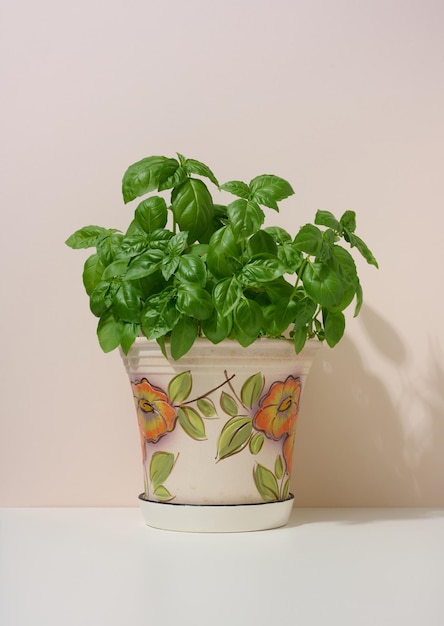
{"points": [[97, 567]]}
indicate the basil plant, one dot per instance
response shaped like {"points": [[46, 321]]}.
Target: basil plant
{"points": [[188, 267]]}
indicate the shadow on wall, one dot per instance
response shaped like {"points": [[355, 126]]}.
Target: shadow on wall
{"points": [[359, 444]]}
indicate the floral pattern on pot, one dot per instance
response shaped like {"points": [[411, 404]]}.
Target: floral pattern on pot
{"points": [[155, 415], [279, 408], [252, 416]]}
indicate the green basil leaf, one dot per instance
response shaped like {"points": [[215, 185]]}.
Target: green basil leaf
{"points": [[290, 257], [217, 327], [116, 269], [192, 270], [223, 253], [309, 240], [266, 483], [286, 311], [299, 338], [194, 301], [193, 209], [279, 234], [322, 284], [268, 189], [109, 331], [237, 188], [260, 243], [171, 175], [144, 265], [183, 336], [334, 326], [359, 298], [326, 218], [108, 247], [226, 294], [101, 298], [92, 273], [127, 303], [263, 268], [192, 423], [357, 242], [159, 314], [248, 318], [151, 214], [169, 266], [305, 311], [246, 217], [348, 221], [129, 333], [85, 237], [279, 288], [142, 177], [197, 167], [234, 436]]}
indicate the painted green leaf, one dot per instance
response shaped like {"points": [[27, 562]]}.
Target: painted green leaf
{"points": [[192, 423], [160, 467], [279, 467], [252, 389], [206, 407], [256, 443], [228, 404], [180, 387], [234, 436], [286, 489], [162, 493], [266, 483]]}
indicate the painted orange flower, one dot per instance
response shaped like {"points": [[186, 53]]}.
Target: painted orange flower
{"points": [[155, 415], [279, 409], [287, 450]]}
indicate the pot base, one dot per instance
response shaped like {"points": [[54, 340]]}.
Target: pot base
{"points": [[216, 518]]}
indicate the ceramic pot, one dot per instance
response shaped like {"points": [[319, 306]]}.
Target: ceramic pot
{"points": [[217, 430]]}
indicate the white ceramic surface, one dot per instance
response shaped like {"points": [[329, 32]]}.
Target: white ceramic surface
{"points": [[216, 518]]}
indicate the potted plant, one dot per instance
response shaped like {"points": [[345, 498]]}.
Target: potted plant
{"points": [[217, 317]]}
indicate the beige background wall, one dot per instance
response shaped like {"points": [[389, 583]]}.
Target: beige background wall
{"points": [[343, 98]]}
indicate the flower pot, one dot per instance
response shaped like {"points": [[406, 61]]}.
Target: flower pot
{"points": [[217, 430]]}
